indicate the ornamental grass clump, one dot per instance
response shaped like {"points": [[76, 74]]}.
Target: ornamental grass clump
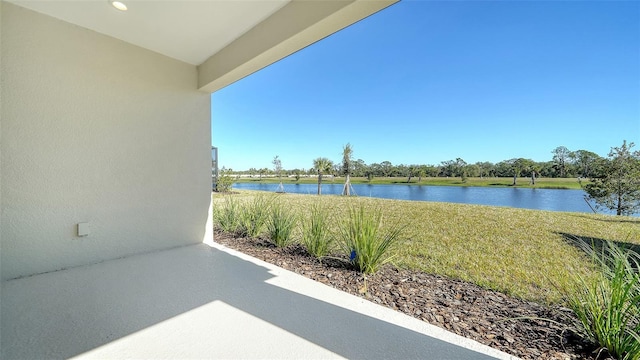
{"points": [[608, 305], [253, 216], [316, 233], [365, 241], [226, 216], [280, 224]]}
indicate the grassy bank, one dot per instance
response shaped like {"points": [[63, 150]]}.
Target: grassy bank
{"points": [[541, 183], [525, 253]]}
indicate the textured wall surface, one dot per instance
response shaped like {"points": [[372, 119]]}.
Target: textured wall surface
{"points": [[95, 130], [1, 81]]}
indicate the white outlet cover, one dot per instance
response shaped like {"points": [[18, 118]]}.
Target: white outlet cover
{"points": [[83, 229]]}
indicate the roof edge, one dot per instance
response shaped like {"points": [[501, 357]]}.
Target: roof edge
{"points": [[294, 27]]}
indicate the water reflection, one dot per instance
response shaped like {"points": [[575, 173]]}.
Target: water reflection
{"points": [[537, 199]]}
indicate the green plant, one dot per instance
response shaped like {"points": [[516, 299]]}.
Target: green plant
{"points": [[316, 235], [224, 182], [608, 304], [364, 241], [281, 223], [523, 253], [253, 216], [226, 215], [369, 176], [617, 187]]}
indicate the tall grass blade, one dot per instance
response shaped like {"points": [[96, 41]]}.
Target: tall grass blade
{"points": [[253, 216], [280, 225], [316, 233], [608, 305], [364, 241], [226, 216]]}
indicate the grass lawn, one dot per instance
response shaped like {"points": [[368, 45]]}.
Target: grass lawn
{"points": [[524, 253], [541, 183]]}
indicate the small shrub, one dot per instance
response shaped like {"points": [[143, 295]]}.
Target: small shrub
{"points": [[364, 241], [226, 216], [224, 182], [280, 225], [316, 235], [608, 305], [253, 216], [369, 176]]}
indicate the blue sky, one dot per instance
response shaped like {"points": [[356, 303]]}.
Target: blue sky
{"points": [[427, 81]]}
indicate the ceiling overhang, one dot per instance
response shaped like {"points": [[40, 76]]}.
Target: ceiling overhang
{"points": [[293, 27], [226, 39]]}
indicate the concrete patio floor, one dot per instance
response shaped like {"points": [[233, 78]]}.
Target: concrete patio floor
{"points": [[207, 301]]}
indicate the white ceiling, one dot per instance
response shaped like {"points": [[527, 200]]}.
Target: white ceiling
{"points": [[186, 30]]}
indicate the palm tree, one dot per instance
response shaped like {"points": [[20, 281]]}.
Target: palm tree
{"points": [[421, 173], [347, 157], [411, 172], [322, 165]]}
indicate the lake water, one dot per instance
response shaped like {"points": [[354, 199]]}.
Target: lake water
{"points": [[537, 199]]}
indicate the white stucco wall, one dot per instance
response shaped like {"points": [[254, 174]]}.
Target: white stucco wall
{"points": [[1, 81], [100, 131]]}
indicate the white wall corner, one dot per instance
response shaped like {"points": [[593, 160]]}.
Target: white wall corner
{"points": [[208, 233], [1, 91]]}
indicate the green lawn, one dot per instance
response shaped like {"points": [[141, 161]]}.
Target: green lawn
{"points": [[541, 183], [520, 252]]}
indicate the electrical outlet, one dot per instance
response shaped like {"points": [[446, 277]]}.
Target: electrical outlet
{"points": [[83, 229]]}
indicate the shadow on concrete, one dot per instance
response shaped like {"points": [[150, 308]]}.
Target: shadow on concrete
{"points": [[71, 312]]}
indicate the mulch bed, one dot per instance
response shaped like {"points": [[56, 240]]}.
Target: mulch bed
{"points": [[512, 325]]}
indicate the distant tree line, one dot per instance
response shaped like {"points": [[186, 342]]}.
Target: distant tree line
{"points": [[614, 182], [564, 163]]}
